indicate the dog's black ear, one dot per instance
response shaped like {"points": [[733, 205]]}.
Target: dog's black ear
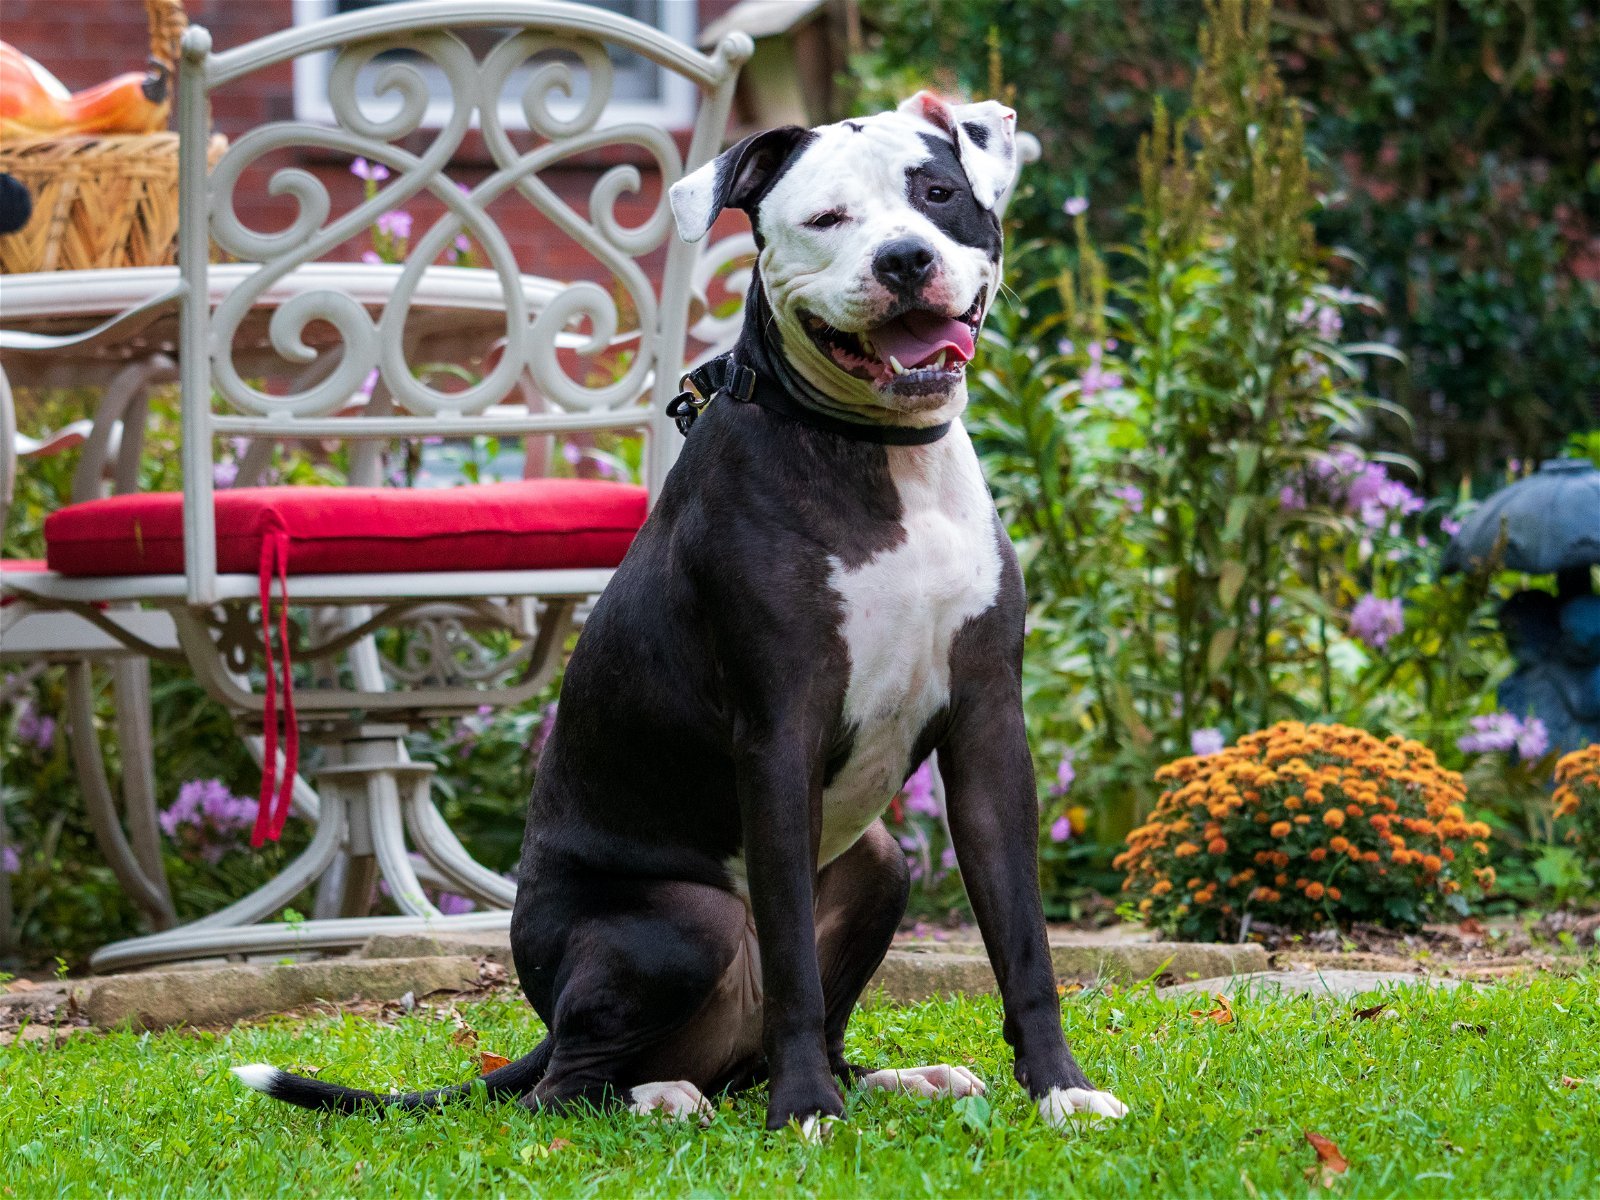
{"points": [[736, 178]]}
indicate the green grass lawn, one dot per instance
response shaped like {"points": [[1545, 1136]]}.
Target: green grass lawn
{"points": [[1456, 1095]]}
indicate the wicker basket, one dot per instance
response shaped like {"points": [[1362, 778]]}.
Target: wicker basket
{"points": [[102, 200]]}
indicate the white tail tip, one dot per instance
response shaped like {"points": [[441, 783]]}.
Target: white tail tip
{"points": [[260, 1076]]}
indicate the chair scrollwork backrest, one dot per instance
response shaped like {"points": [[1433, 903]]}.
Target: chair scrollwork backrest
{"points": [[388, 65]]}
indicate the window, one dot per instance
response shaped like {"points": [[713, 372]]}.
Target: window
{"points": [[641, 90]]}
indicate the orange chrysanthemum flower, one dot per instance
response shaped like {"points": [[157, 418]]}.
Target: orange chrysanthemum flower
{"points": [[1289, 802]]}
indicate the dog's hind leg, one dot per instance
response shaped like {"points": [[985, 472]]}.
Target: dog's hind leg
{"points": [[861, 898], [639, 969]]}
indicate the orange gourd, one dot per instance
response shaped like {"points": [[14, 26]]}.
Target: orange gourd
{"points": [[34, 104]]}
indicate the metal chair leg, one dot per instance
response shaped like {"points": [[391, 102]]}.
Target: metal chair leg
{"points": [[147, 891]]}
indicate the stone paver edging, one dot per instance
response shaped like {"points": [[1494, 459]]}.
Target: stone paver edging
{"points": [[221, 995], [1330, 984]]}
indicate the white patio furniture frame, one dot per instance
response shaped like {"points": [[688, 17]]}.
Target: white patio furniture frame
{"points": [[127, 349], [370, 793]]}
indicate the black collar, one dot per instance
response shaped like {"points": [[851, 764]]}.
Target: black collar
{"points": [[744, 385]]}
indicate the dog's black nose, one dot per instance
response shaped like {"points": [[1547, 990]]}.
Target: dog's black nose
{"points": [[904, 264]]}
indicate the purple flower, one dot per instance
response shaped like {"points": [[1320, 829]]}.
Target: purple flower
{"points": [[224, 473], [10, 863], [1375, 620], [1206, 741], [919, 792], [947, 858], [1065, 774], [1060, 829], [371, 257], [1096, 379], [547, 726], [1449, 526], [1324, 318], [35, 728], [1076, 206], [396, 224], [371, 172], [571, 453], [213, 815], [462, 245], [370, 382], [1534, 739], [1132, 496], [1491, 734], [452, 905]]}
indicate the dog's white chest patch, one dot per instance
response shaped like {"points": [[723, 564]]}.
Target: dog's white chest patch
{"points": [[902, 610]]}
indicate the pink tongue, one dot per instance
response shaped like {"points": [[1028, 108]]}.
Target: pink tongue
{"points": [[916, 337]]}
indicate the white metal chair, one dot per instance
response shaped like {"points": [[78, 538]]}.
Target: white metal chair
{"points": [[480, 584]]}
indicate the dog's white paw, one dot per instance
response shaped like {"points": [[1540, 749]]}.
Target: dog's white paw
{"points": [[678, 1099], [817, 1128], [934, 1081], [1059, 1106]]}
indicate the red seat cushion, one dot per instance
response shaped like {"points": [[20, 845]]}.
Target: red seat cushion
{"points": [[531, 525]]}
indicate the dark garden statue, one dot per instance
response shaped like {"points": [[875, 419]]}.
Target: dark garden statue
{"points": [[1547, 524]]}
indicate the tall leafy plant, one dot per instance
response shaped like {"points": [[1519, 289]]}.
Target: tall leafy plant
{"points": [[1142, 435]]}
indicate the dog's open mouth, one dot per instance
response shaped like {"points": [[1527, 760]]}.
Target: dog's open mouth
{"points": [[918, 351]]}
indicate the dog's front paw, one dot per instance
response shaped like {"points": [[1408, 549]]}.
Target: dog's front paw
{"points": [[679, 1099], [939, 1080], [807, 1105], [1061, 1106]]}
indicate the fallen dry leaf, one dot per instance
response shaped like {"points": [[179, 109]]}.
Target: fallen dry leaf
{"points": [[1572, 1081], [1330, 1161], [465, 1036], [1367, 1014], [490, 1061], [559, 1144], [21, 985], [1472, 927], [1221, 1015]]}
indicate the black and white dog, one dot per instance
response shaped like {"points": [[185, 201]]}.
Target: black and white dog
{"points": [[823, 596]]}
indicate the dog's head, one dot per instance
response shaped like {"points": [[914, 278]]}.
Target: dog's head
{"points": [[879, 243]]}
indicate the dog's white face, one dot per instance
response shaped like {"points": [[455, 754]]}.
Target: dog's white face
{"points": [[879, 244]]}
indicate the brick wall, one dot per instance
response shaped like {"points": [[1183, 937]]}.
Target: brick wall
{"points": [[86, 41]]}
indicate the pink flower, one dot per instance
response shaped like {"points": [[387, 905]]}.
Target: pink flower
{"points": [[1131, 496], [371, 257], [919, 792], [371, 172], [1061, 829], [1076, 206], [396, 224]]}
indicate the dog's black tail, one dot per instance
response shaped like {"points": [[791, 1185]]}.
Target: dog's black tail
{"points": [[513, 1079]]}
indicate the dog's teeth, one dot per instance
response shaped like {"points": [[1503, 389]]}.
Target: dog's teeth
{"points": [[895, 363], [939, 362]]}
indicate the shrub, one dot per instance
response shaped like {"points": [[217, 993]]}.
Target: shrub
{"points": [[1577, 798], [1300, 826]]}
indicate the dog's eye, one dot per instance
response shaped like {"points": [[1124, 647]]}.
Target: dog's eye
{"points": [[938, 193], [825, 220]]}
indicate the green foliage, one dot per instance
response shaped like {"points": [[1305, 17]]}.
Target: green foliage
{"points": [[1459, 1094], [1459, 141]]}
